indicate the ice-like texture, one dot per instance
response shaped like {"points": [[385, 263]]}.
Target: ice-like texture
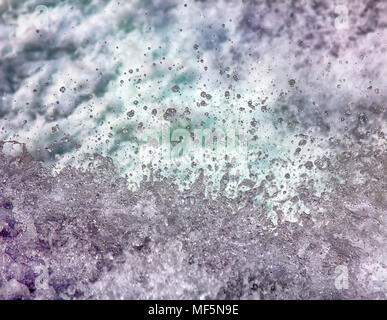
{"points": [[114, 179], [84, 235]]}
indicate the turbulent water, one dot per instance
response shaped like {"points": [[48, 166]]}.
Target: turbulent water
{"points": [[200, 149]]}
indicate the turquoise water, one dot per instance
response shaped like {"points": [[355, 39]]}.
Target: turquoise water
{"points": [[180, 90]]}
